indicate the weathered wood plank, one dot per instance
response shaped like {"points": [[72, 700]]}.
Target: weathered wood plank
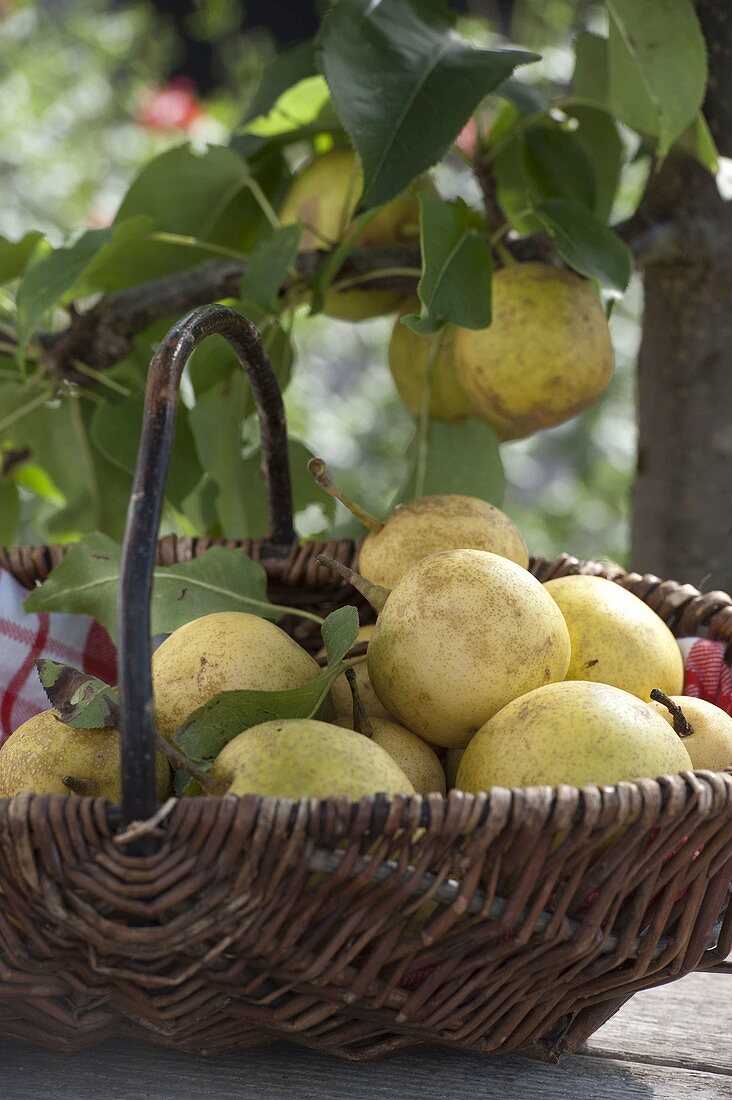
{"points": [[122, 1071], [686, 1023]]}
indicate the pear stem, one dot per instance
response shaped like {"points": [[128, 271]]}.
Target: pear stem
{"points": [[180, 760], [374, 593], [361, 721], [682, 725], [319, 473], [81, 786]]}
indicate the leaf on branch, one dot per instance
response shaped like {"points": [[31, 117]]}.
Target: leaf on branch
{"points": [[590, 79], [15, 255], [455, 286], [195, 200], [47, 281], [288, 68], [599, 134], [82, 701], [657, 67], [558, 165], [587, 244], [115, 432], [461, 458], [421, 63], [697, 142], [86, 582], [209, 728], [269, 264], [301, 112]]}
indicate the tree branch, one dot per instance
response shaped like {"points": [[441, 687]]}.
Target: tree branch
{"points": [[104, 334]]}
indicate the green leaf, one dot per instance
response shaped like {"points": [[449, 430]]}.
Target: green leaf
{"points": [[9, 511], [599, 135], [455, 286], [429, 83], [302, 111], [200, 199], [115, 432], [558, 165], [591, 78], [462, 458], [283, 71], [83, 701], [210, 728], [87, 580], [216, 423], [15, 255], [658, 67], [587, 244], [269, 263], [304, 489], [340, 631], [46, 282], [697, 142]]}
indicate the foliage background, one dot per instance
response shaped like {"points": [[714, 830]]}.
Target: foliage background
{"points": [[73, 131]]}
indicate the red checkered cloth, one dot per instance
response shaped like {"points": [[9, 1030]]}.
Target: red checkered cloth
{"points": [[706, 672], [24, 637]]}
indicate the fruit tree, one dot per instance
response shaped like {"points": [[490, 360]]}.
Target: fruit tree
{"points": [[402, 164]]}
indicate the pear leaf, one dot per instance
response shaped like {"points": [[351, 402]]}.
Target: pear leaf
{"points": [[86, 582], [421, 63], [210, 728], [82, 701], [340, 631], [455, 285]]}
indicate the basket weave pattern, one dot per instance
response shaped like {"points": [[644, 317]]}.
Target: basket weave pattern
{"points": [[515, 921]]}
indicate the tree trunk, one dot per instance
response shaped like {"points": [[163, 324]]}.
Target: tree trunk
{"points": [[682, 499]]}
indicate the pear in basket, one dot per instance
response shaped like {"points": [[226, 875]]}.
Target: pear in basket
{"points": [[460, 635], [226, 651], [577, 733], [45, 756], [616, 638], [705, 729], [415, 757], [425, 526], [304, 758]]}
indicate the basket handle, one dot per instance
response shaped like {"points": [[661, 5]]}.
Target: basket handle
{"points": [[137, 715]]}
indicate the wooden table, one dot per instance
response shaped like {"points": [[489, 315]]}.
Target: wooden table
{"points": [[674, 1042]]}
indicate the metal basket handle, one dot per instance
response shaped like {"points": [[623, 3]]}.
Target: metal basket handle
{"points": [[137, 725]]}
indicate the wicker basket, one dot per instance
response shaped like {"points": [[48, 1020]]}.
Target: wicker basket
{"points": [[512, 920]]}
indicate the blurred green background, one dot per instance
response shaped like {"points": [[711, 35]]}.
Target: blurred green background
{"points": [[89, 91]]}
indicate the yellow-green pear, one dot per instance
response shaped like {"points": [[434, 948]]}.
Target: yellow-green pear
{"points": [[428, 525], [45, 756], [452, 763], [226, 651], [616, 638], [340, 692], [710, 743], [323, 197], [577, 733], [546, 356], [424, 526], [461, 634], [304, 758], [415, 757], [409, 355]]}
